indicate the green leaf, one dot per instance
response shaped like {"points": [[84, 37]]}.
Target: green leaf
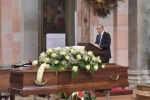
{"points": [[73, 74]]}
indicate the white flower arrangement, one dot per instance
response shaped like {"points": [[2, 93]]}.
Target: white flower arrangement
{"points": [[72, 58]]}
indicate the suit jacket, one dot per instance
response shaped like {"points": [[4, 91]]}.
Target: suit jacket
{"points": [[105, 44]]}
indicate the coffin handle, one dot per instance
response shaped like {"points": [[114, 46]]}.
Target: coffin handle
{"points": [[40, 84], [114, 79]]}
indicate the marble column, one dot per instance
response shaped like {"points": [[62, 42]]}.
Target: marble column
{"points": [[70, 22], [0, 37], [30, 29], [139, 40], [85, 28]]}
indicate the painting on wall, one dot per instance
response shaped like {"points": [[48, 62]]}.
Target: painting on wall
{"points": [[53, 16]]}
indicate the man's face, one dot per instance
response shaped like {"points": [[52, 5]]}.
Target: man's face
{"points": [[99, 29]]}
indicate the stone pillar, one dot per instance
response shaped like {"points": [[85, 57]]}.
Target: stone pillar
{"points": [[0, 37], [70, 22], [139, 35], [11, 33], [85, 28], [31, 29]]}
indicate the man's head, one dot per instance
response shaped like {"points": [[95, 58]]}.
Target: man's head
{"points": [[100, 28]]}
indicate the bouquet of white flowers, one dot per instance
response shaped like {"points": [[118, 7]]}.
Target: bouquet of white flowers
{"points": [[73, 58]]}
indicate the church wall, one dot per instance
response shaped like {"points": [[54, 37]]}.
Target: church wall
{"points": [[20, 41], [122, 33], [31, 29], [19, 31], [11, 32], [116, 23]]}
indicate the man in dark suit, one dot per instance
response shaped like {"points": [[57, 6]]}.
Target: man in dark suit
{"points": [[103, 40]]}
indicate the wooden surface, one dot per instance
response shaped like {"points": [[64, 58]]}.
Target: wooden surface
{"points": [[22, 81], [96, 50], [4, 83], [143, 95], [4, 79], [90, 47], [143, 92]]}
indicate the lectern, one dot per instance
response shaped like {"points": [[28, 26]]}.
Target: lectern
{"points": [[96, 50]]}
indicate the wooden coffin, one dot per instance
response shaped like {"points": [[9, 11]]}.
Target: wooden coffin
{"points": [[22, 81], [4, 79]]}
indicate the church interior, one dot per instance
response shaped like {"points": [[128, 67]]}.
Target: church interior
{"points": [[32, 29]]}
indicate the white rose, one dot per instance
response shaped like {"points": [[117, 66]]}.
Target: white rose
{"points": [[46, 60], [56, 62], [82, 52], [35, 62], [67, 48], [103, 66], [72, 51], [87, 67], [90, 53], [58, 48], [78, 57], [67, 57], [95, 67], [53, 55], [42, 56], [85, 58], [99, 61], [62, 53], [49, 51], [93, 58], [75, 68], [82, 48]]}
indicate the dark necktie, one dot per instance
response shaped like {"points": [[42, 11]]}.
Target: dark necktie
{"points": [[99, 39]]}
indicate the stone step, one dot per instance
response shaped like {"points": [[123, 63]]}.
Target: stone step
{"points": [[115, 91], [143, 87], [142, 95]]}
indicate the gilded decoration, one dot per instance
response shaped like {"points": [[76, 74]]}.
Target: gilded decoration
{"points": [[103, 7]]}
